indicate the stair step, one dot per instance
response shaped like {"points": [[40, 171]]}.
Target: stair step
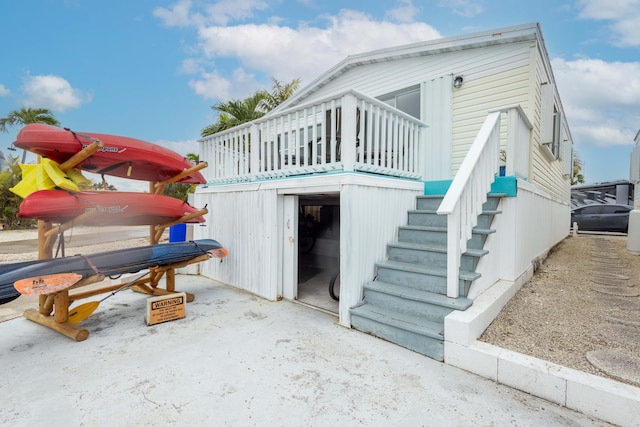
{"points": [[401, 320], [419, 295], [428, 271], [435, 248], [408, 331]]}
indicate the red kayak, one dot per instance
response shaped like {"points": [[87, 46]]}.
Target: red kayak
{"points": [[118, 208], [120, 156]]}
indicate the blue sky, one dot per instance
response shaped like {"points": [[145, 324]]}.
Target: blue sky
{"points": [[151, 69]]}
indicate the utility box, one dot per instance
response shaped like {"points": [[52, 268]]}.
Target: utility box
{"points": [[166, 308]]}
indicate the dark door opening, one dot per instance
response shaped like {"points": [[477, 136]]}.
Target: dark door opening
{"points": [[319, 250]]}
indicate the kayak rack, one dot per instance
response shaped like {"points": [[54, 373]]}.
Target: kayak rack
{"points": [[53, 309]]}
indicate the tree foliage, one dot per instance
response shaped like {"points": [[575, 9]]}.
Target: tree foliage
{"points": [[239, 111], [10, 202], [578, 164], [25, 116], [178, 190]]}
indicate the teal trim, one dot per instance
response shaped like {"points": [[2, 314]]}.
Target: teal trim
{"points": [[436, 188], [506, 185]]}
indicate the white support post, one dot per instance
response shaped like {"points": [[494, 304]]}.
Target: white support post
{"points": [[348, 132], [254, 147]]}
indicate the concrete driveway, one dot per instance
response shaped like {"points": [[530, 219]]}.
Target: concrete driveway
{"points": [[237, 359]]}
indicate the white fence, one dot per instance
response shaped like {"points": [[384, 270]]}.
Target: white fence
{"points": [[347, 132]]}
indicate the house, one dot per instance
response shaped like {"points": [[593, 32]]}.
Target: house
{"points": [[635, 170], [385, 174]]}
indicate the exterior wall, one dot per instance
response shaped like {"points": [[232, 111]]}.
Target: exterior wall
{"points": [[528, 227], [244, 218], [369, 216], [546, 172], [385, 77], [475, 98], [248, 220], [634, 172]]}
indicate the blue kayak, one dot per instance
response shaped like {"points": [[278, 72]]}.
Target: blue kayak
{"points": [[111, 263]]}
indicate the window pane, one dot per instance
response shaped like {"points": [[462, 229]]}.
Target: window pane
{"points": [[409, 103]]}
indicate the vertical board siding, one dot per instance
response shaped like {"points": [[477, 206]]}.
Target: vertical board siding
{"points": [[472, 101], [438, 110], [528, 227], [369, 219], [245, 222]]}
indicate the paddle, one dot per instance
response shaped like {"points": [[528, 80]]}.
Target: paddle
{"points": [[85, 310], [47, 284]]}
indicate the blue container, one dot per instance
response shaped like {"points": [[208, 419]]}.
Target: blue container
{"points": [[178, 233]]}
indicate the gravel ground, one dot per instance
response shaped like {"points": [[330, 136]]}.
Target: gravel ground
{"points": [[568, 308]]}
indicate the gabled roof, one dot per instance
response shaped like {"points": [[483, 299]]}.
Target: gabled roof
{"points": [[505, 35]]}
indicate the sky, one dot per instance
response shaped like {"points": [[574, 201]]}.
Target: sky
{"points": [[152, 69]]}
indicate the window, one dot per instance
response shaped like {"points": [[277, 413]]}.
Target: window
{"points": [[407, 100], [551, 121]]}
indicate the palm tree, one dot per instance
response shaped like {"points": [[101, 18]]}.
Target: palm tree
{"points": [[280, 92], [237, 112], [25, 116]]}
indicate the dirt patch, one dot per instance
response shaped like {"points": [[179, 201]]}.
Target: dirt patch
{"points": [[559, 314]]}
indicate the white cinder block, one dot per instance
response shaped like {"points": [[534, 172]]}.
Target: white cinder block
{"points": [[532, 375], [480, 359], [608, 400]]}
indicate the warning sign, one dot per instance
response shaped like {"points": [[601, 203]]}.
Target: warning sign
{"points": [[165, 308]]}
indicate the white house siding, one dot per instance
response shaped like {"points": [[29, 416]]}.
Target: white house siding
{"points": [[247, 219], [243, 218], [528, 227], [472, 101], [369, 219], [377, 79], [546, 172]]}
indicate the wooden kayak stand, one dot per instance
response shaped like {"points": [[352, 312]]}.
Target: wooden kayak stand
{"points": [[53, 309]]}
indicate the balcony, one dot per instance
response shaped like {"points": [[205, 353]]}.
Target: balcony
{"points": [[345, 132]]}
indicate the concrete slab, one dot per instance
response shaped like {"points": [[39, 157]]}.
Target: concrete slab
{"points": [[237, 359]]}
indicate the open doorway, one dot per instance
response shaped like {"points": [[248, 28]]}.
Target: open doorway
{"points": [[319, 250]]}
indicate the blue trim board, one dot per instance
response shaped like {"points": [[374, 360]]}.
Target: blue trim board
{"points": [[506, 185]]}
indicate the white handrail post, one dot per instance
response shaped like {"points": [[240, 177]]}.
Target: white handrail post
{"points": [[453, 253], [348, 132], [513, 118], [254, 150]]}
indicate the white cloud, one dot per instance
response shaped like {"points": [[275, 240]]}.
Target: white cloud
{"points": [[601, 99], [52, 92], [287, 53], [180, 147], [406, 12], [224, 11], [4, 91], [465, 8], [179, 15], [624, 14]]}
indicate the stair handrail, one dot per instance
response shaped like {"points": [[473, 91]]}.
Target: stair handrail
{"points": [[463, 201]]}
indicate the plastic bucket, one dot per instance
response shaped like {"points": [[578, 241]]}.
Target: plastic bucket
{"points": [[178, 233]]}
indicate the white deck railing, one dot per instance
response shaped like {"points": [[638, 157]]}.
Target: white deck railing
{"points": [[463, 202], [347, 132]]}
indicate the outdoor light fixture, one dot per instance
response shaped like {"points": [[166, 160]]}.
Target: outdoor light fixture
{"points": [[457, 81]]}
